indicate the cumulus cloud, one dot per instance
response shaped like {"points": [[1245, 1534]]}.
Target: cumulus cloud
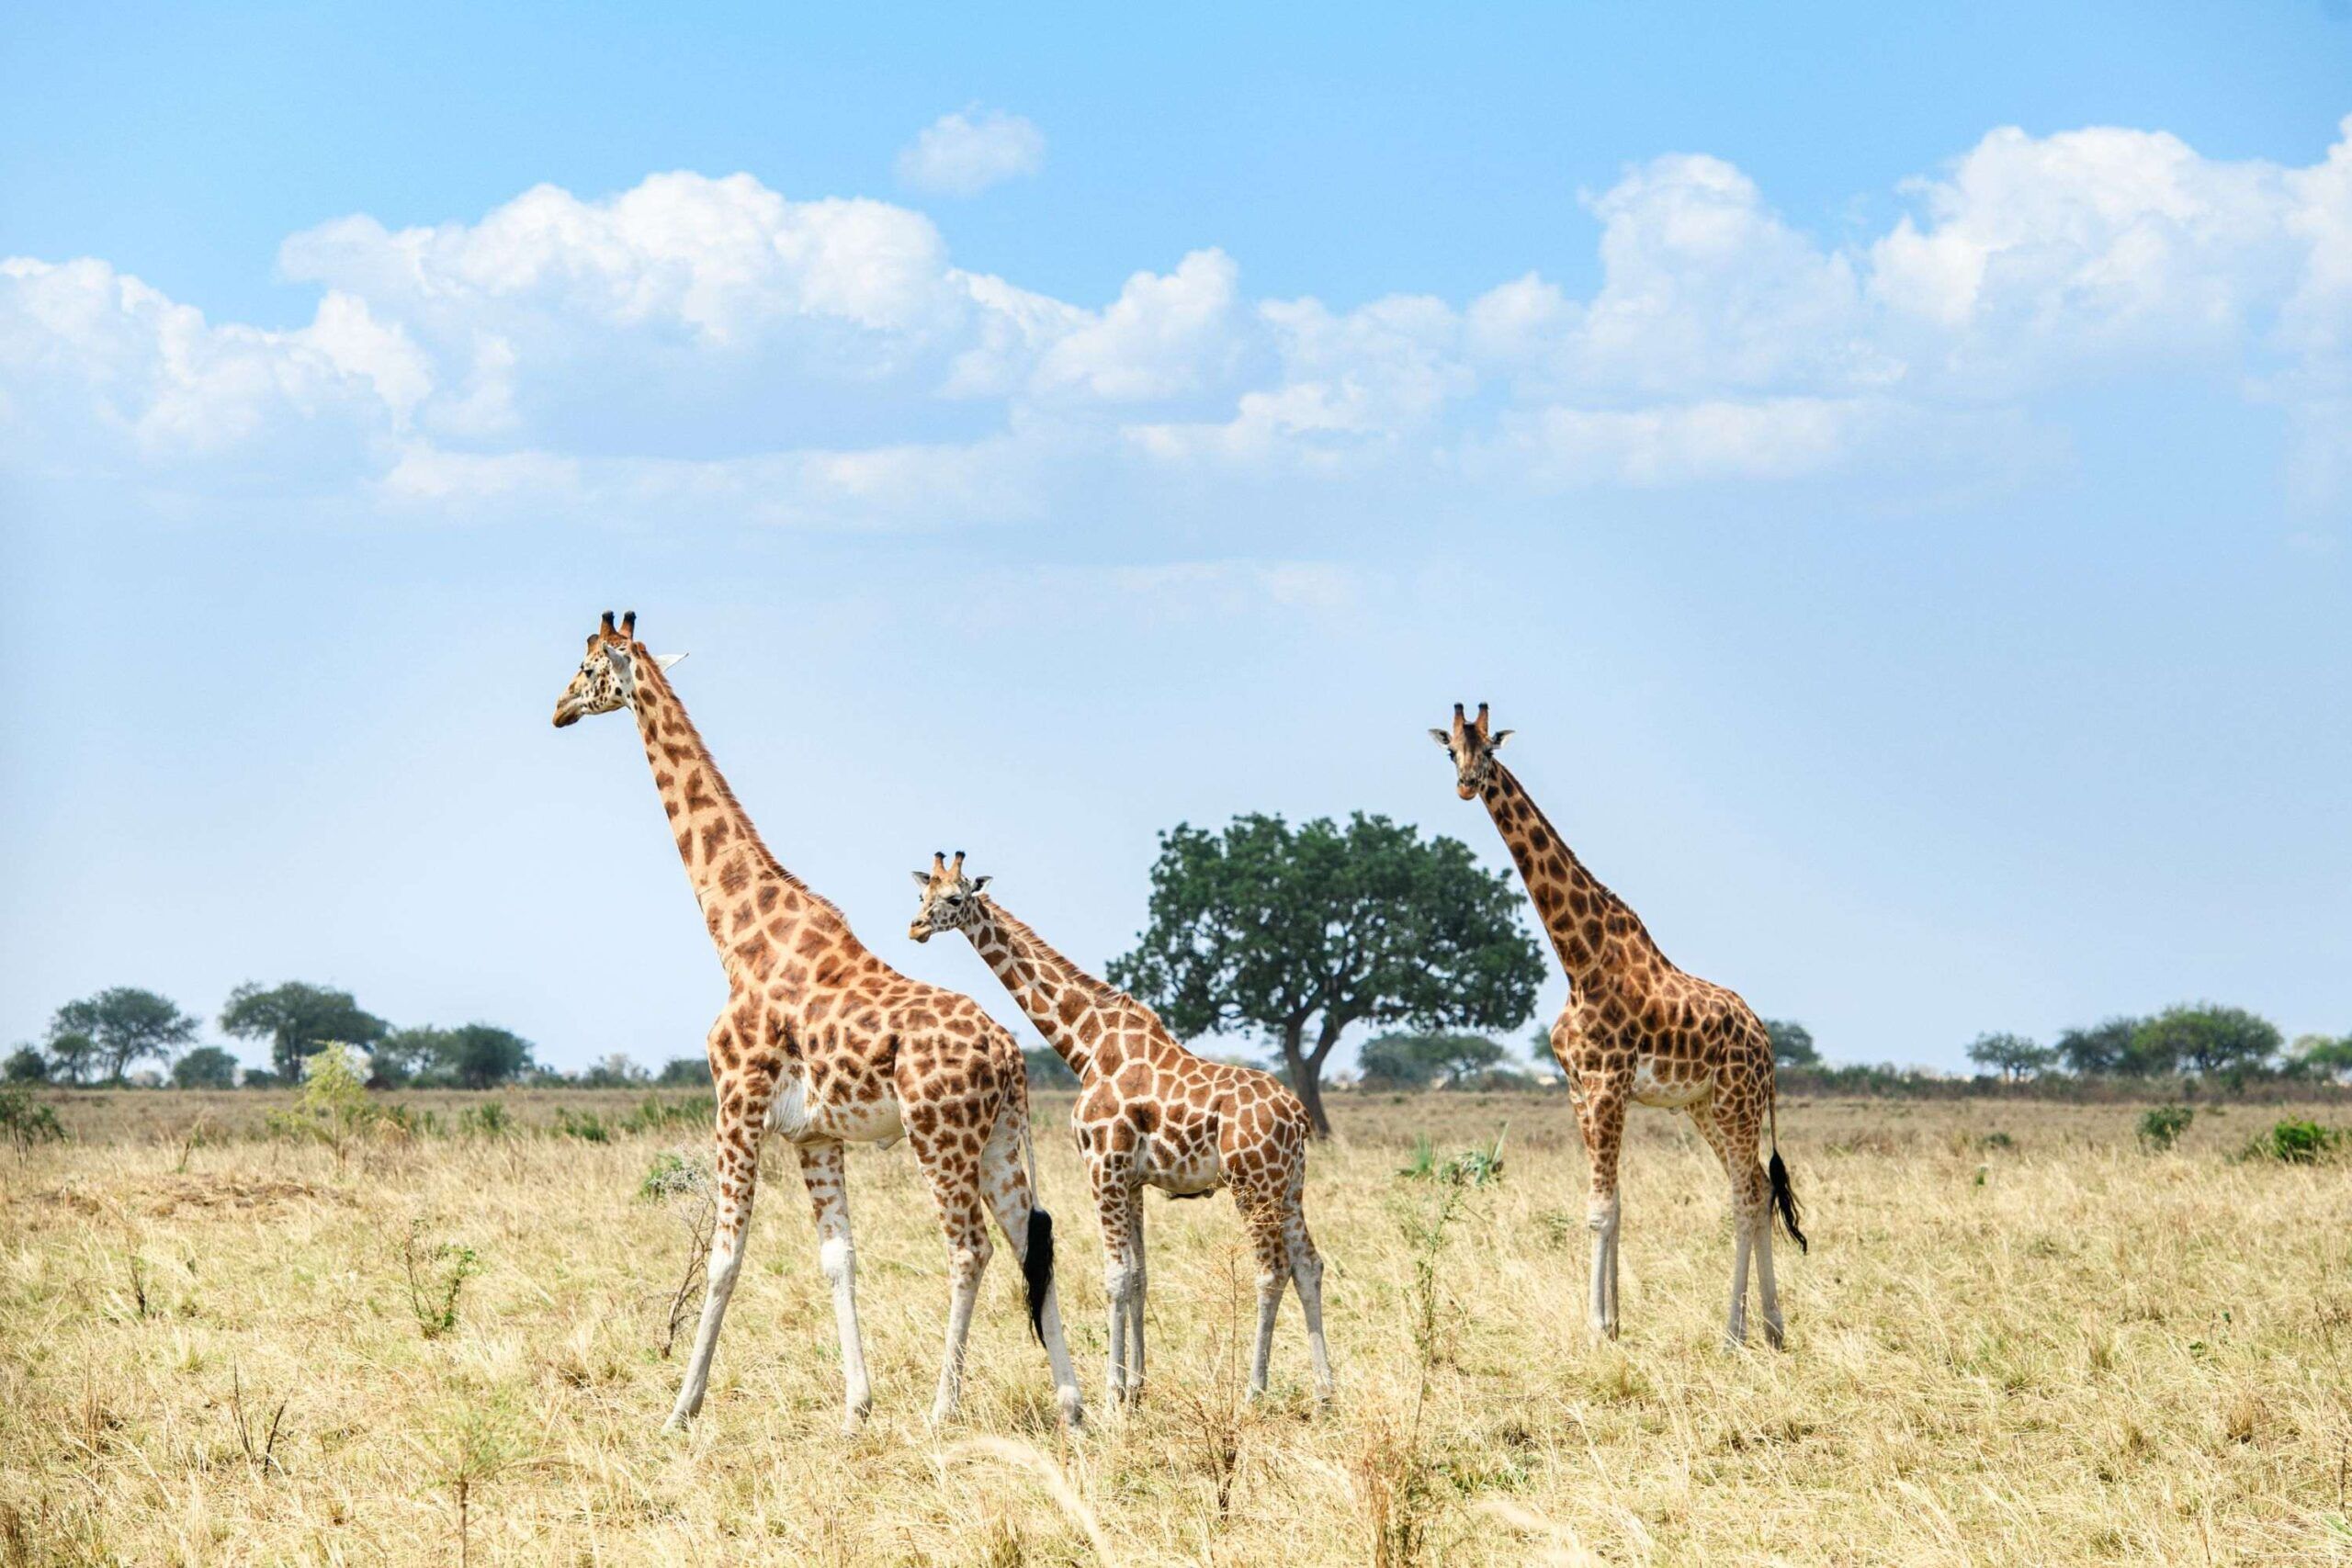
{"points": [[965, 153], [711, 347]]}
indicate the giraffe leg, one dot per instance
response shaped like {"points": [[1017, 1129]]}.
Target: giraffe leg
{"points": [[738, 1159], [822, 1172], [955, 1173], [1113, 1202], [1004, 1181], [1138, 1290], [1600, 1114], [1262, 1215], [1733, 1137], [1307, 1273]]}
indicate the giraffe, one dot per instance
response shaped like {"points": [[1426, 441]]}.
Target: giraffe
{"points": [[1151, 1113], [826, 1044], [1636, 1029]]}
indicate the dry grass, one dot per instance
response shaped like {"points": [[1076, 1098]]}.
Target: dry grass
{"points": [[2063, 1349]]}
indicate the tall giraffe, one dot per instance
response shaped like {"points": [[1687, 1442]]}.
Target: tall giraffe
{"points": [[1151, 1113], [1637, 1029], [827, 1044]]}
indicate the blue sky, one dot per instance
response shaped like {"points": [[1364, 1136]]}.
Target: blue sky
{"points": [[1893, 475]]}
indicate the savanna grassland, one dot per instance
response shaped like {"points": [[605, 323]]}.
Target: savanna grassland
{"points": [[2019, 1338]]}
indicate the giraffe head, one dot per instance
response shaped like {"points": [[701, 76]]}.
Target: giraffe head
{"points": [[607, 675], [1473, 746], [951, 900]]}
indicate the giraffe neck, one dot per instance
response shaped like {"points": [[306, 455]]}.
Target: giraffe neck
{"points": [[751, 904], [1598, 937], [1069, 1006]]}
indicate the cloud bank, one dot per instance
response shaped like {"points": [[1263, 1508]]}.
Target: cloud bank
{"points": [[712, 346]]}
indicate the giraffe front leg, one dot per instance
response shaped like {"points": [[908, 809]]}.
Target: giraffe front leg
{"points": [[1601, 1115], [1112, 1195], [822, 1171], [1138, 1290], [737, 1156]]}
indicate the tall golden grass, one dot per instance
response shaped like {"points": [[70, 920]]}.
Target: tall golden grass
{"points": [[2020, 1338]]}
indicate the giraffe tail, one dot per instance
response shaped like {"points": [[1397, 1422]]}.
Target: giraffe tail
{"points": [[1784, 1196], [1038, 1256]]}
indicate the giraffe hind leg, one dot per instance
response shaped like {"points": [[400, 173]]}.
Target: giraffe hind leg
{"points": [[1029, 1231], [742, 1116]]}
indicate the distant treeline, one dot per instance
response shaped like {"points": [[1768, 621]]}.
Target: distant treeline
{"points": [[2198, 1047], [104, 1039]]}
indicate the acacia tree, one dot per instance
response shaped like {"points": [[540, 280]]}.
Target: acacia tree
{"points": [[1792, 1043], [2208, 1039], [1293, 934], [107, 1033], [2012, 1056], [297, 1018]]}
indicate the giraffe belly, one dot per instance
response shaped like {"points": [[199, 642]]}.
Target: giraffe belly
{"points": [[1186, 1172], [1651, 1088], [836, 1119]]}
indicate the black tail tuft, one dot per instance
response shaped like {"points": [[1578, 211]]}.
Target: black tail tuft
{"points": [[1037, 1269], [1784, 1202]]}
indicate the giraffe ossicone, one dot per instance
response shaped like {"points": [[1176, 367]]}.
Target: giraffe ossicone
{"points": [[1636, 1030], [823, 1044], [1151, 1113]]}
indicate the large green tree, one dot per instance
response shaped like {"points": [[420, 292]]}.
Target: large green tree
{"points": [[1295, 933], [1792, 1043], [2322, 1056], [2208, 1039], [207, 1067], [107, 1033], [297, 1018], [2013, 1056], [2102, 1048], [1410, 1060], [481, 1055]]}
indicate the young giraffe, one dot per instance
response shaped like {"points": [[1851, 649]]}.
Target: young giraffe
{"points": [[1638, 1029], [1151, 1113], [827, 1044]]}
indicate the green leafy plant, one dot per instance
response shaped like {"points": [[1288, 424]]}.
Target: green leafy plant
{"points": [[1471, 1167], [488, 1120], [2295, 1143], [2162, 1125], [27, 1122], [585, 1125], [333, 1107], [437, 1273]]}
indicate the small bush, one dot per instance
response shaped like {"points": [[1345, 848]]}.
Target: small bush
{"points": [[2295, 1143], [27, 1122], [412, 1119], [671, 1175], [436, 1276], [656, 1113], [488, 1120], [1471, 1167], [333, 1107], [585, 1125], [2162, 1125]]}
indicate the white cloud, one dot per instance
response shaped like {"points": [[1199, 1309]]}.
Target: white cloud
{"points": [[705, 347], [964, 153]]}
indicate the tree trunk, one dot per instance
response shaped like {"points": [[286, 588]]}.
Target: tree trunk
{"points": [[1305, 1076]]}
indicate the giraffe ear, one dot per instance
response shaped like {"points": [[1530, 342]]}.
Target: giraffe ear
{"points": [[923, 880], [980, 881], [1442, 737], [668, 660], [1494, 742]]}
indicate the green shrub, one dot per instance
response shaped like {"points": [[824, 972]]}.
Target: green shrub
{"points": [[585, 1125], [488, 1120], [671, 1175], [333, 1107], [436, 1273], [2162, 1125], [2295, 1143], [27, 1122], [656, 1113]]}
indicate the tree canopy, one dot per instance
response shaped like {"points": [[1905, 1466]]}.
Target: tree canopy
{"points": [[297, 1018], [1792, 1043], [105, 1033], [2203, 1038], [2013, 1056], [207, 1067], [1295, 933], [1424, 1060]]}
